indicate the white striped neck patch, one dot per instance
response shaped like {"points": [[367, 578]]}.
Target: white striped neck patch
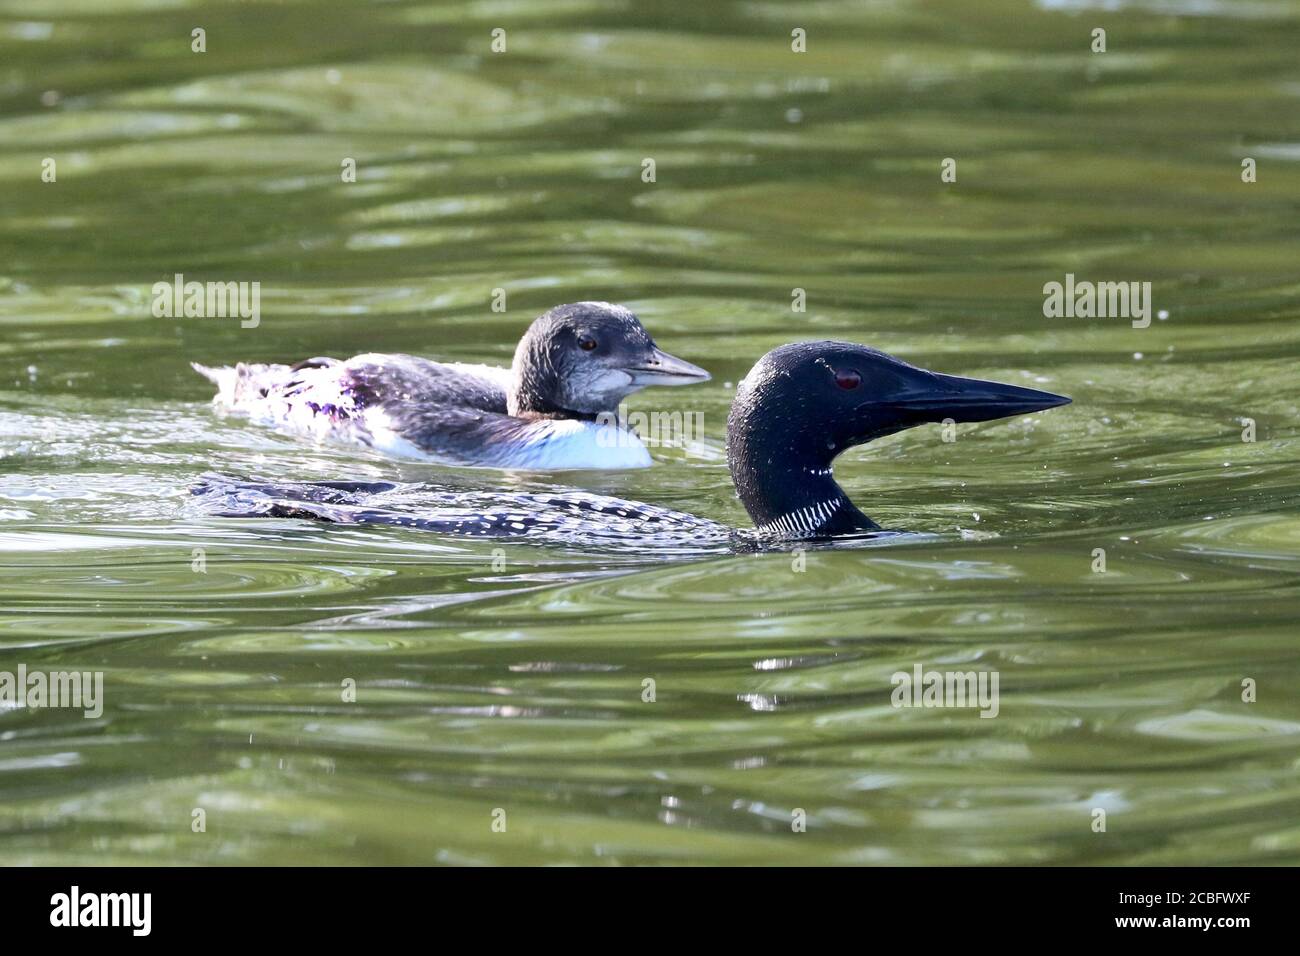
{"points": [[802, 522]]}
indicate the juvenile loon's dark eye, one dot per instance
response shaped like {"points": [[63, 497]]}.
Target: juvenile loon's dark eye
{"points": [[586, 343], [848, 378]]}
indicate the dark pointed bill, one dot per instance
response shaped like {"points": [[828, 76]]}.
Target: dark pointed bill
{"points": [[660, 368], [940, 396]]}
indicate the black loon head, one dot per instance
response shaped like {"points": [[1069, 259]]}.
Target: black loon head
{"points": [[579, 360], [803, 404]]}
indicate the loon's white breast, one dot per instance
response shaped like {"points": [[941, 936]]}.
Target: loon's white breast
{"points": [[540, 445]]}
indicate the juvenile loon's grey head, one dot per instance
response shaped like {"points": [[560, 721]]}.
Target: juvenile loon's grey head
{"points": [[579, 360], [803, 404]]}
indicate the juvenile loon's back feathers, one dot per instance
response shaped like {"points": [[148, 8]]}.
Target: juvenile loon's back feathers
{"points": [[377, 379]]}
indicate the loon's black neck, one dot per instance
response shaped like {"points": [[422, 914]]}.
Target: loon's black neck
{"points": [[784, 479], [533, 387], [546, 409]]}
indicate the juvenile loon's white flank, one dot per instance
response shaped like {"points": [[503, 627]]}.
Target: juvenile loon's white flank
{"points": [[566, 443], [551, 445]]}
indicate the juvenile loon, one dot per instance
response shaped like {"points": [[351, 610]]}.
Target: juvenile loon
{"points": [[798, 408], [554, 408]]}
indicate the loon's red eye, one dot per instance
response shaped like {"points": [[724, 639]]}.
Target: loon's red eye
{"points": [[586, 343], [848, 378]]}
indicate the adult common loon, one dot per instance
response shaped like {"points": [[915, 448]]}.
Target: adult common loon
{"points": [[554, 408], [798, 408]]}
